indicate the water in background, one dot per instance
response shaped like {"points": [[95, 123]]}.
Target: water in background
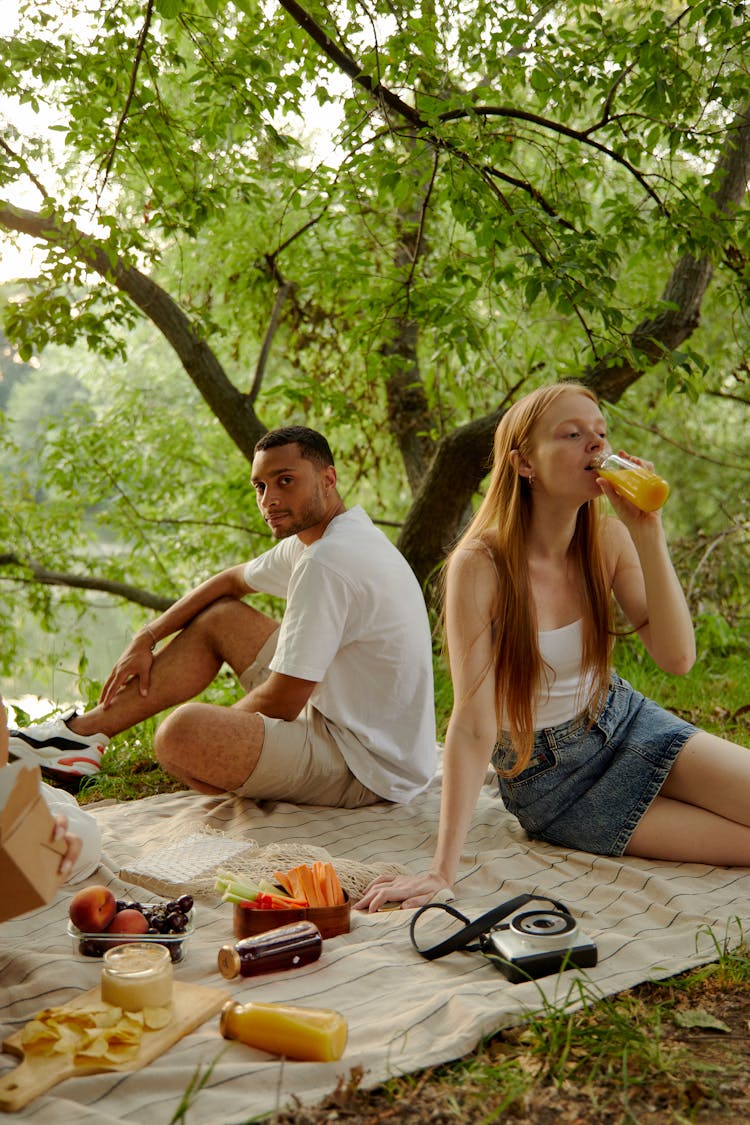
{"points": [[33, 705], [40, 690]]}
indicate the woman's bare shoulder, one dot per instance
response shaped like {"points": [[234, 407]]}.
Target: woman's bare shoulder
{"points": [[472, 579], [474, 557]]}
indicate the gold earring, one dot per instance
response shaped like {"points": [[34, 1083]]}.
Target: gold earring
{"points": [[532, 478]]}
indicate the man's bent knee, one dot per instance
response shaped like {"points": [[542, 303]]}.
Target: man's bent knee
{"points": [[175, 735], [202, 742]]}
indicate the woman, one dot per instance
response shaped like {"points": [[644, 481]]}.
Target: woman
{"points": [[582, 759]]}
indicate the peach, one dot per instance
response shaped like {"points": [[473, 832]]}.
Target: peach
{"points": [[92, 909], [128, 922]]}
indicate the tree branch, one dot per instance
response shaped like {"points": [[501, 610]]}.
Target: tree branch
{"points": [[652, 339], [388, 100], [582, 136], [284, 291], [26, 170], [232, 408], [463, 457], [47, 577], [140, 47]]}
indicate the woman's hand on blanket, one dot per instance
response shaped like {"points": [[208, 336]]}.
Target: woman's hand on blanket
{"points": [[73, 845], [410, 891]]}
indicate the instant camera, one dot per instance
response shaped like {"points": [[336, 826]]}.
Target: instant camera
{"points": [[533, 943], [538, 943]]}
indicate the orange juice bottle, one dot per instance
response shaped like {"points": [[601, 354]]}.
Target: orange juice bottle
{"points": [[310, 1034], [640, 486]]}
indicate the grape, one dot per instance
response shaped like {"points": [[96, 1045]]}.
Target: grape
{"points": [[89, 947]]}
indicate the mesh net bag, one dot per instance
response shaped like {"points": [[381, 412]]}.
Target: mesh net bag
{"points": [[192, 864]]}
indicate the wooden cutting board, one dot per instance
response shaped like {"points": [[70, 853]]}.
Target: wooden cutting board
{"points": [[192, 1003]]}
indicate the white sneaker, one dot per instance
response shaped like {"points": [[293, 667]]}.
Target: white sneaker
{"points": [[56, 749]]}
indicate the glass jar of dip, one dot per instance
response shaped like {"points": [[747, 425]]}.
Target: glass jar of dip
{"points": [[137, 975]]}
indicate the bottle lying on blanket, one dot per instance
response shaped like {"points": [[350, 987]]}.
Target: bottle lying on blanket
{"points": [[285, 947], [309, 1034]]}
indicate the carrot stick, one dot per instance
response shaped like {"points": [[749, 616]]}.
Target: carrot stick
{"points": [[336, 891], [294, 874], [311, 890], [319, 874], [282, 878]]}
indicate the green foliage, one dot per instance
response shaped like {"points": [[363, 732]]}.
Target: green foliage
{"points": [[510, 224]]}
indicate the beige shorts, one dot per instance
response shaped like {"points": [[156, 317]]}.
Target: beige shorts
{"points": [[301, 760]]}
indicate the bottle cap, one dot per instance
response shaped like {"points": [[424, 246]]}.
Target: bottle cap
{"points": [[229, 962], [226, 1011]]}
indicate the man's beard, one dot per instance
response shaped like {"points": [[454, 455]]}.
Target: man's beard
{"points": [[313, 513]]}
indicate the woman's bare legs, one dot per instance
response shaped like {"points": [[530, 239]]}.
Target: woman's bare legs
{"points": [[702, 813]]}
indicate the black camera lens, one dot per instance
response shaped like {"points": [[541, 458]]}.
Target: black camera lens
{"points": [[542, 923]]}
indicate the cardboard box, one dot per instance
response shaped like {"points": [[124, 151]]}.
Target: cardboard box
{"points": [[29, 858]]}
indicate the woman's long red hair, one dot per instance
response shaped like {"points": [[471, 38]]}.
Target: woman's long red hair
{"points": [[500, 526]]}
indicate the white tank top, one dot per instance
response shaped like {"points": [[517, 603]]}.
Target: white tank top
{"points": [[564, 696]]}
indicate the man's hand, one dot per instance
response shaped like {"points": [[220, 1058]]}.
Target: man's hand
{"points": [[73, 845], [134, 664]]}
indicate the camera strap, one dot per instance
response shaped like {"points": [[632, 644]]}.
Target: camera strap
{"points": [[475, 929]]}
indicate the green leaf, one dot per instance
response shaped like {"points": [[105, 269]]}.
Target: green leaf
{"points": [[698, 1017], [169, 9]]}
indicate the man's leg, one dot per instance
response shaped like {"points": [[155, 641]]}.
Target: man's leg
{"points": [[229, 631], [230, 749], [212, 749]]}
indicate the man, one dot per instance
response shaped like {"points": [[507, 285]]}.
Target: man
{"points": [[339, 707]]}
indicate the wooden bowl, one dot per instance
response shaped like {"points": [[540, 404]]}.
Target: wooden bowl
{"points": [[330, 920]]}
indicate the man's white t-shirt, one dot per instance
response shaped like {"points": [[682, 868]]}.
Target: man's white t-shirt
{"points": [[356, 623]]}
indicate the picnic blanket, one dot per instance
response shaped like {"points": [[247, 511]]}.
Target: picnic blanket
{"points": [[648, 919]]}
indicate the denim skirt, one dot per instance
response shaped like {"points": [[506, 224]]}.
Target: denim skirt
{"points": [[587, 787]]}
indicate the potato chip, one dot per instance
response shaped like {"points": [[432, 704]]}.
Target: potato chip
{"points": [[108, 1017], [94, 1048], [68, 1041], [37, 1033], [154, 1018], [97, 1033]]}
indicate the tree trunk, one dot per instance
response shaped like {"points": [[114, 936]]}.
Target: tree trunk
{"points": [[462, 459], [410, 420]]}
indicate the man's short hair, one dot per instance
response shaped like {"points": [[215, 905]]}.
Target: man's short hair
{"points": [[312, 445]]}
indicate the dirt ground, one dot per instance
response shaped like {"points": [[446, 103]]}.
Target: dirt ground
{"points": [[705, 1082]]}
